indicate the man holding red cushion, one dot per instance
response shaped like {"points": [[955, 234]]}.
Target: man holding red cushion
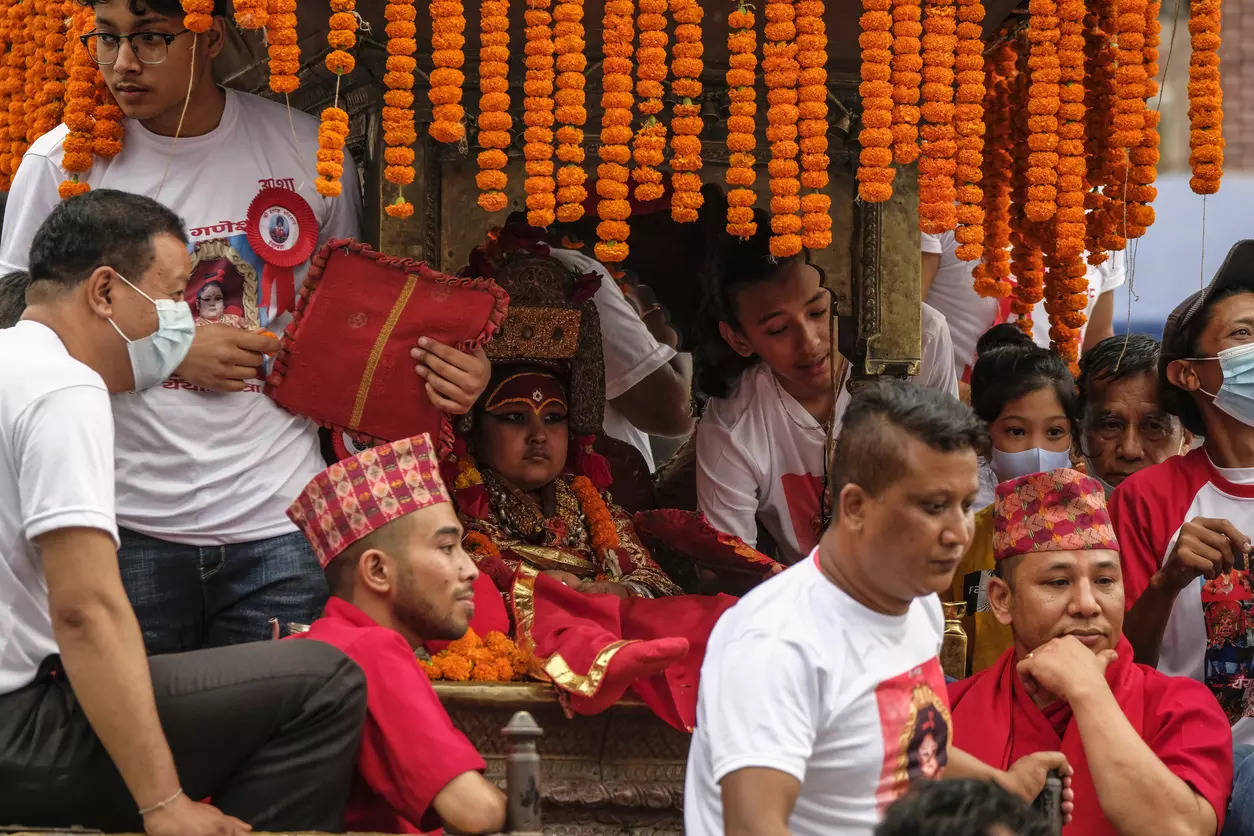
{"points": [[383, 528], [1151, 753]]}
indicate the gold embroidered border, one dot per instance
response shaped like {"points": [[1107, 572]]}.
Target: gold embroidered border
{"points": [[394, 315], [551, 558], [555, 667]]}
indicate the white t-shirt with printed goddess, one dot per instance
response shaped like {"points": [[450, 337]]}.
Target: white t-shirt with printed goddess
{"points": [[801, 678], [194, 466], [760, 454], [631, 353], [56, 471]]}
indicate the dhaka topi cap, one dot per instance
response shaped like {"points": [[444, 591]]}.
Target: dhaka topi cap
{"points": [[1062, 510]]}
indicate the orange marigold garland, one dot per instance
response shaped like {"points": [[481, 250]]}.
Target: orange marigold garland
{"points": [[816, 216], [570, 112], [495, 121], [332, 132], [251, 14], [51, 99], [649, 144], [1206, 115], [741, 126], [538, 115], [1042, 102], [21, 54], [875, 171], [613, 208], [1143, 158], [779, 62], [906, 69], [448, 25], [39, 26], [1101, 157], [686, 122], [108, 131], [198, 15], [284, 49], [493, 658], [1026, 263], [341, 37], [601, 530], [398, 110], [993, 271], [969, 126], [938, 149], [80, 93]]}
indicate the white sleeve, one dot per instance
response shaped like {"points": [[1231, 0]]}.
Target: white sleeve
{"points": [[32, 197], [930, 243], [1113, 271], [64, 444], [937, 368], [760, 721], [345, 218], [723, 473]]}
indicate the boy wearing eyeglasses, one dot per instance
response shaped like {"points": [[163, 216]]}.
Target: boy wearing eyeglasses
{"points": [[206, 463]]}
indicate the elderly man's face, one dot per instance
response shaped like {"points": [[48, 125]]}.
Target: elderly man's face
{"points": [[1125, 429]]}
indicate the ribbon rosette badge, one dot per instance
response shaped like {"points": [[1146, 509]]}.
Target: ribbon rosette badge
{"points": [[283, 232]]}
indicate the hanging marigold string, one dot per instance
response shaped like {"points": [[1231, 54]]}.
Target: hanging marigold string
{"points": [[649, 144], [197, 15], [448, 27], [9, 87], [969, 126], [1206, 115], [399, 135], [538, 115], [1143, 158], [1026, 264], [686, 121], [779, 62], [906, 77], [816, 216], [741, 125], [495, 121], [80, 93], [570, 112], [613, 208], [875, 171], [51, 97], [1101, 156], [332, 133], [251, 14], [993, 272], [938, 148], [284, 49], [21, 17], [39, 26], [1043, 101]]}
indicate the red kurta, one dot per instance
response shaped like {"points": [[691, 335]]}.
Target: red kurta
{"points": [[410, 749], [996, 721]]}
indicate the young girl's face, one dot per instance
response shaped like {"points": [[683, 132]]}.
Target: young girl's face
{"points": [[1036, 420], [786, 322]]}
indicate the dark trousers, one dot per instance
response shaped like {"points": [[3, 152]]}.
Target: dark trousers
{"points": [[191, 597], [268, 731]]}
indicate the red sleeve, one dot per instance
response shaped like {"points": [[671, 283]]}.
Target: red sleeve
{"points": [[1192, 737], [410, 749], [1147, 510]]}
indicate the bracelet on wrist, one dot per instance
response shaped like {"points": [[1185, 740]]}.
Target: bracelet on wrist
{"points": [[161, 805]]}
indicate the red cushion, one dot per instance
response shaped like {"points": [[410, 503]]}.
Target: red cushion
{"points": [[345, 361], [689, 534]]}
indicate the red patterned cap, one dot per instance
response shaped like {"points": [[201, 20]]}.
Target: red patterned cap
{"points": [[1062, 510], [358, 495]]}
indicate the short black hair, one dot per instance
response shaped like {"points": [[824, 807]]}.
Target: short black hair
{"points": [[1176, 400], [1000, 335], [165, 8], [102, 227], [1006, 373], [13, 296], [1117, 358], [870, 457], [960, 808]]}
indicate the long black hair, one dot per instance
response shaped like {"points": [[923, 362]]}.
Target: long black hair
{"points": [[1007, 370], [731, 266]]}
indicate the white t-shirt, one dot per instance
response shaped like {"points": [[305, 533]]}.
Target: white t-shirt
{"points": [[194, 466], [56, 471], [953, 294], [631, 353], [760, 453], [800, 678], [1104, 277]]}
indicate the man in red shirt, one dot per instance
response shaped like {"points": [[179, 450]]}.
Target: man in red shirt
{"points": [[1152, 753], [383, 528]]}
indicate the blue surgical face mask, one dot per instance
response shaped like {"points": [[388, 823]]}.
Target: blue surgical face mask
{"points": [[156, 356], [1009, 466], [1236, 395]]}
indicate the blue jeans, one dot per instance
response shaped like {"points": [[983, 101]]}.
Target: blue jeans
{"points": [[191, 597], [1240, 821]]}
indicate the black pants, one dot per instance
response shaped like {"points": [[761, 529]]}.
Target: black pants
{"points": [[269, 731]]}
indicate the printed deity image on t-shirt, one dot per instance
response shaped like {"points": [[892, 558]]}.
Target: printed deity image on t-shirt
{"points": [[222, 290], [915, 724]]}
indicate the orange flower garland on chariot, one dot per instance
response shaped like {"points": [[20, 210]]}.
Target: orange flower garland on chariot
{"points": [[816, 217], [906, 66], [540, 185], [284, 47], [1206, 115], [398, 110], [448, 25], [570, 112], [741, 126], [969, 125], [617, 100], [686, 121], [875, 171], [938, 149], [649, 143], [779, 62], [495, 121]]}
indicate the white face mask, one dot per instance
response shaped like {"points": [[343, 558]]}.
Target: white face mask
{"points": [[156, 356], [1037, 460], [1236, 395]]}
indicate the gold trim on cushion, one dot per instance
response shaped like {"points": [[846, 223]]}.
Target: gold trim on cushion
{"points": [[555, 667], [372, 363], [537, 333]]}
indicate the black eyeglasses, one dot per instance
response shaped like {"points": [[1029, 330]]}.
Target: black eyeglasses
{"points": [[148, 47]]}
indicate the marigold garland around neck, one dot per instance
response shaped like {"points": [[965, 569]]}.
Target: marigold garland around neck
{"points": [[779, 63], [538, 115], [570, 111], [79, 144], [617, 100], [284, 47], [495, 121], [879, 114], [649, 143], [399, 135], [741, 125], [686, 121], [448, 26]]}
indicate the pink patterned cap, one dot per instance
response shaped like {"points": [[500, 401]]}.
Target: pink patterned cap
{"points": [[1062, 510], [358, 495]]}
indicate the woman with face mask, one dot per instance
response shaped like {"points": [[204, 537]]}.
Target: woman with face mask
{"points": [[1027, 397]]}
